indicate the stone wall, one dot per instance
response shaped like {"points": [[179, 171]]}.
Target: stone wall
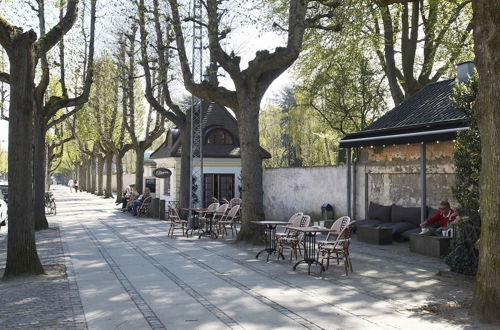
{"points": [[394, 173], [289, 190], [391, 175]]}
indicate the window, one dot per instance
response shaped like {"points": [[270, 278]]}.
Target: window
{"points": [[219, 136], [151, 184], [218, 186], [166, 186]]}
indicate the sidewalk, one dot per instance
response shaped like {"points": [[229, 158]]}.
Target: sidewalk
{"points": [[123, 272]]}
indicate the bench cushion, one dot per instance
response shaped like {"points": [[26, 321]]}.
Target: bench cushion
{"points": [[405, 214], [397, 228], [406, 235], [379, 212], [366, 222]]}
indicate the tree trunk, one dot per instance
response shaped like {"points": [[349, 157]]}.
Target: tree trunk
{"points": [[81, 178], [109, 175], [22, 257], [251, 168], [119, 177], [185, 165], [39, 171], [139, 169], [93, 174], [100, 175], [487, 47], [88, 178]]}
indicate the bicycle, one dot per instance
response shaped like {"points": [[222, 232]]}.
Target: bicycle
{"points": [[50, 203]]}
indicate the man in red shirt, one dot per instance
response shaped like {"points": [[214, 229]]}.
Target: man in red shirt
{"points": [[440, 220]]}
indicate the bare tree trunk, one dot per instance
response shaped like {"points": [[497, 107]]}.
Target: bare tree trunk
{"points": [[251, 168], [119, 177], [100, 175], [39, 172], [185, 165], [88, 179], [22, 257], [109, 175], [93, 174], [487, 47], [139, 169]]}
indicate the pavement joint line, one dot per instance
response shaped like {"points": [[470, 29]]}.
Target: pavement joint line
{"points": [[148, 314], [74, 291], [285, 282], [221, 315], [263, 299]]}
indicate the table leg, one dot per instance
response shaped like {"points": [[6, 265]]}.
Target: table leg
{"points": [[270, 242], [309, 244]]}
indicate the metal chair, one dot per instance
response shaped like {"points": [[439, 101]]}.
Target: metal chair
{"points": [[229, 221], [176, 223], [293, 238]]}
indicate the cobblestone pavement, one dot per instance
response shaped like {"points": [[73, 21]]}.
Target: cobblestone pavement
{"points": [[124, 272], [49, 301]]}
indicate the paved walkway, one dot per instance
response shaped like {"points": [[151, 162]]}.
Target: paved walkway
{"points": [[123, 272]]}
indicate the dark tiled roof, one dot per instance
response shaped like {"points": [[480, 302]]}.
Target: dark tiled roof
{"points": [[214, 116], [427, 110], [430, 105]]}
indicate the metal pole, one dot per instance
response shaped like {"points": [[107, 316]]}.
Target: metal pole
{"points": [[423, 182], [196, 152], [349, 181]]}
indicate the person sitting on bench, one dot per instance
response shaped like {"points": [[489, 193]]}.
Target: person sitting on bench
{"points": [[138, 201], [439, 221]]}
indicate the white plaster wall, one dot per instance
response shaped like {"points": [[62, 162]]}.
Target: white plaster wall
{"points": [[289, 190]]}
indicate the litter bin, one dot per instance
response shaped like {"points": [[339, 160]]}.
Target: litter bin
{"points": [[326, 211]]}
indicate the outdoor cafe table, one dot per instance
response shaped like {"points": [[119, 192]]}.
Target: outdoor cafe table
{"points": [[309, 243], [208, 231], [270, 232], [192, 211]]}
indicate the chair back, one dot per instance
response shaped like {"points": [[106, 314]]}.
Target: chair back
{"points": [[232, 213], [212, 207], [221, 211], [338, 226], [234, 201], [344, 239], [174, 215], [146, 201], [304, 221]]}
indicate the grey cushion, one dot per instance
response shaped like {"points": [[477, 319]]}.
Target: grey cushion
{"points": [[366, 222], [406, 235], [405, 214], [379, 212], [397, 228]]}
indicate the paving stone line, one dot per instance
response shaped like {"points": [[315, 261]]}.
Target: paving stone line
{"points": [[74, 292], [226, 319], [149, 315], [280, 280], [263, 299]]}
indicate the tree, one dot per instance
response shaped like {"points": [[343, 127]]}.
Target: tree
{"points": [[250, 85], [24, 51], [173, 112], [487, 47], [46, 114], [151, 132]]}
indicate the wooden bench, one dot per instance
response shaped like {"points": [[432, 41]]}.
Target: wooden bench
{"points": [[432, 246], [374, 235]]}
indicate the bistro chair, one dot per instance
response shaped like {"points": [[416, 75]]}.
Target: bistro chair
{"points": [[229, 221], [293, 239], [176, 223], [207, 213], [143, 210], [336, 228], [339, 249], [296, 217], [219, 214]]}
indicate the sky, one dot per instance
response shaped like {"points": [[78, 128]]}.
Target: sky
{"points": [[244, 41]]}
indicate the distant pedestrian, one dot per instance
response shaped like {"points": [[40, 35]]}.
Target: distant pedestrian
{"points": [[76, 185], [71, 185]]}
